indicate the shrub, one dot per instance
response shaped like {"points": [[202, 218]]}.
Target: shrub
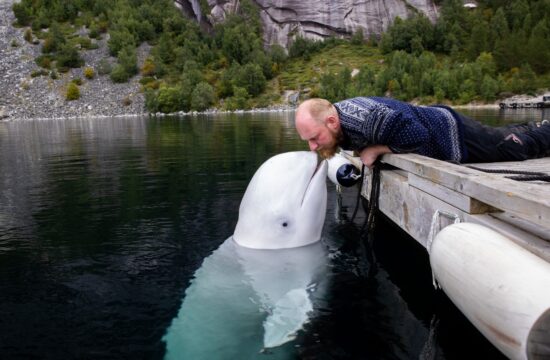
{"points": [[119, 74], [126, 101], [148, 68], [94, 32], [73, 92], [89, 73], [28, 35], [44, 61], [14, 43], [77, 81], [54, 75], [104, 67], [86, 43], [40, 72]]}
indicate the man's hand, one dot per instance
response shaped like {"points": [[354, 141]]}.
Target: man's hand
{"points": [[371, 153]]}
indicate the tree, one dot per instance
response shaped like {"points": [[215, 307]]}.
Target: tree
{"points": [[168, 99], [120, 39], [499, 26], [22, 12], [68, 57], [127, 58], [54, 39], [251, 77], [537, 54], [479, 40], [486, 63], [202, 96], [239, 100], [489, 88]]}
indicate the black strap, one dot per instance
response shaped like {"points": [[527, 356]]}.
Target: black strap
{"points": [[523, 175]]}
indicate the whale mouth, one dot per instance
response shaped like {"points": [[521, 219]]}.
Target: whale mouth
{"points": [[320, 163]]}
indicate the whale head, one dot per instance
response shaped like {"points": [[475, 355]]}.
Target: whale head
{"points": [[285, 203]]}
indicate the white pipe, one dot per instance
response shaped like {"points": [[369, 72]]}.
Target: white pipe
{"points": [[503, 289]]}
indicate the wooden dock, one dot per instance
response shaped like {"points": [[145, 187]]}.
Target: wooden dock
{"points": [[420, 186], [502, 288]]}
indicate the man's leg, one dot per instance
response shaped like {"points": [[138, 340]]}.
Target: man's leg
{"points": [[529, 144], [480, 141], [509, 143]]}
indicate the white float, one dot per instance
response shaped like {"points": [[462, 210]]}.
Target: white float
{"points": [[503, 289]]}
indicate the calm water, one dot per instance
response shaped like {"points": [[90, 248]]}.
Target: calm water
{"points": [[103, 223]]}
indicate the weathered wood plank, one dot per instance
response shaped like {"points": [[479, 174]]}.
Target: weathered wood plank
{"points": [[458, 200], [528, 201]]}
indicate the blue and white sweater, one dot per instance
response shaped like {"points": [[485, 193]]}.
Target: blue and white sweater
{"points": [[434, 131]]}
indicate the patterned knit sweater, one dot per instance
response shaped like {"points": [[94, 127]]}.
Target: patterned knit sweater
{"points": [[434, 131]]}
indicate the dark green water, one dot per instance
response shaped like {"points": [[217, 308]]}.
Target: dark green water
{"points": [[103, 223]]}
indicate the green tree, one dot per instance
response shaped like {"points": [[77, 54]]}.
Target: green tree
{"points": [[251, 77], [68, 57], [489, 88], [479, 39], [499, 26], [119, 74], [239, 100], [54, 39], [537, 54], [127, 58], [22, 12], [202, 96], [169, 99], [120, 39]]}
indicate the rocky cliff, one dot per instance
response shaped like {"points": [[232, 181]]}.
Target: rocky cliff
{"points": [[284, 19]]}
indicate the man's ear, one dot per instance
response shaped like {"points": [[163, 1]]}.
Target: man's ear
{"points": [[332, 122]]}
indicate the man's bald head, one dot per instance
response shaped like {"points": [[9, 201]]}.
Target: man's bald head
{"points": [[317, 122], [315, 109]]}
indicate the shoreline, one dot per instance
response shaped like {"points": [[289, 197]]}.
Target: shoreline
{"points": [[275, 109], [159, 115]]}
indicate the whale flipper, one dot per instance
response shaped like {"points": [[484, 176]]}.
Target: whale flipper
{"points": [[287, 317]]}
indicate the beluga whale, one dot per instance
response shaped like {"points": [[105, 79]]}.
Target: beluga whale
{"points": [[255, 292]]}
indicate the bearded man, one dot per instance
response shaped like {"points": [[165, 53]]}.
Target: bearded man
{"points": [[373, 126]]}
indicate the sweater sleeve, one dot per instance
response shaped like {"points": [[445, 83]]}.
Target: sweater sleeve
{"points": [[405, 134]]}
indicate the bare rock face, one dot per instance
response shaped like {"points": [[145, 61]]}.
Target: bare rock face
{"points": [[283, 20]]}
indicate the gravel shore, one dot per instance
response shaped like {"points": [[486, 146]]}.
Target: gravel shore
{"points": [[25, 97]]}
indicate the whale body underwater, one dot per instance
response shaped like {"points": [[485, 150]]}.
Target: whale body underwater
{"points": [[255, 291]]}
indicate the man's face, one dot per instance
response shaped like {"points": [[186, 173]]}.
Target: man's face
{"points": [[319, 136]]}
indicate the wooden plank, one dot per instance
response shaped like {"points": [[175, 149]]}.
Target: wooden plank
{"points": [[528, 201], [454, 198]]}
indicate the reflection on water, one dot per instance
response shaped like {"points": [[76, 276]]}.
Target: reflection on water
{"points": [[499, 117], [103, 223]]}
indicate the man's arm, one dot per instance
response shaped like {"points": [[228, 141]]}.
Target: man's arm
{"points": [[371, 153]]}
